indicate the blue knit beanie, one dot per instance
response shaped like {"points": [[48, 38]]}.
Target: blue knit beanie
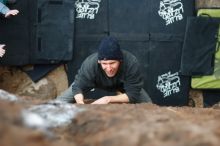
{"points": [[109, 49]]}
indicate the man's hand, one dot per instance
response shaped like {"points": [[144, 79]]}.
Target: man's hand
{"points": [[103, 100], [79, 98], [11, 12], [121, 98]]}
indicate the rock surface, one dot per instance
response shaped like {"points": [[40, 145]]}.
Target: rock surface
{"points": [[207, 4], [16, 81], [116, 124]]}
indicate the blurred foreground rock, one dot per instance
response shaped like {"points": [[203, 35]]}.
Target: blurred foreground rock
{"points": [[14, 132], [146, 125], [108, 125]]}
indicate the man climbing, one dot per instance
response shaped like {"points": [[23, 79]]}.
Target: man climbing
{"points": [[110, 69]]}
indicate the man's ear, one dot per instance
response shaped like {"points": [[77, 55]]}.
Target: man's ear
{"points": [[99, 61]]}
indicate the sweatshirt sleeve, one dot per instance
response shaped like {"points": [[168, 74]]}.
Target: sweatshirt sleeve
{"points": [[85, 78], [3, 8], [133, 82]]}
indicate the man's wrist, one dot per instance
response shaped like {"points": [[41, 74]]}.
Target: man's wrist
{"points": [[122, 98]]}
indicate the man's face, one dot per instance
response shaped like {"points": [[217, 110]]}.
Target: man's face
{"points": [[110, 67]]}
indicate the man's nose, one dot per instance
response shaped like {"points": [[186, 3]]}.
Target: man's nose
{"points": [[108, 67]]}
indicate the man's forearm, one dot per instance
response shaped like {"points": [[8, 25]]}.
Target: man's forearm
{"points": [[79, 98], [121, 98]]}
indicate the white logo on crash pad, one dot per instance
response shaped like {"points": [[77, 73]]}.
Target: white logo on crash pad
{"points": [[171, 10], [86, 9], [168, 83]]}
